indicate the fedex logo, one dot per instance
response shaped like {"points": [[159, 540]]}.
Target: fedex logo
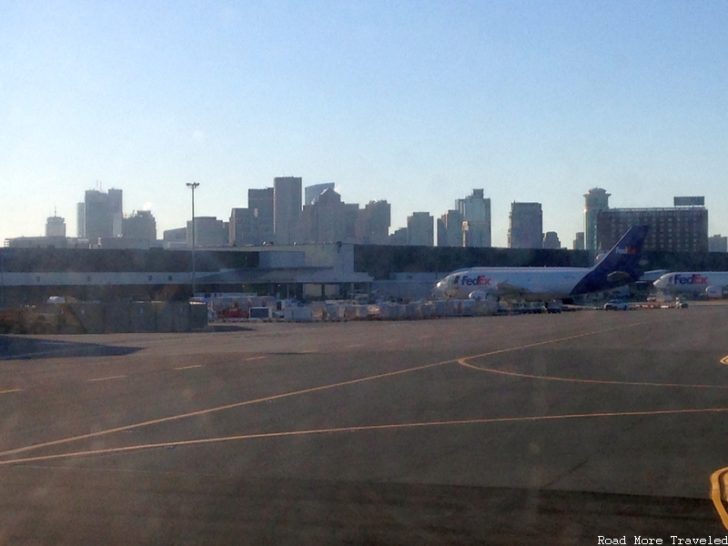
{"points": [[480, 280], [690, 279]]}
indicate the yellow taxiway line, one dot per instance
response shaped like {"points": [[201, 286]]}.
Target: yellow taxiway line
{"points": [[717, 495], [305, 391], [354, 429], [8, 391]]}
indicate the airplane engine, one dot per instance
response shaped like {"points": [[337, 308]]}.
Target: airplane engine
{"points": [[714, 292], [477, 295]]}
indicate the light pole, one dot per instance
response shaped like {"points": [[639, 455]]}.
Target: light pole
{"points": [[192, 186]]}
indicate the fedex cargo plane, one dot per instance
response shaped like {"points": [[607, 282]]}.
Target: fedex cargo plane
{"points": [[712, 284], [619, 266]]}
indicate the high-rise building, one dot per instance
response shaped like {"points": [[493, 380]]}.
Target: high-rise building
{"points": [[102, 214], [81, 220], [209, 232], [677, 229], [450, 229], [578, 241], [475, 210], [526, 229], [400, 237], [286, 208], [420, 229], [116, 206], [55, 226], [551, 240], [717, 243], [241, 227], [260, 204], [312, 193], [372, 223], [323, 221], [140, 225], [595, 201]]}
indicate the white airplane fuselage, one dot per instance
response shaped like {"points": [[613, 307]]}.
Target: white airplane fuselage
{"points": [[694, 283], [616, 267], [528, 282]]}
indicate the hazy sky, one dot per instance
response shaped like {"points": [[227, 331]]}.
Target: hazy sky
{"points": [[414, 102]]}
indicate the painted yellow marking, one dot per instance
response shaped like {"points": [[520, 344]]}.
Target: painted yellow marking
{"points": [[464, 362], [189, 367], [254, 358], [717, 494], [724, 360], [354, 429], [109, 378], [299, 392], [9, 391]]}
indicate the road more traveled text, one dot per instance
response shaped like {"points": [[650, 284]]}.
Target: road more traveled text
{"points": [[672, 539]]}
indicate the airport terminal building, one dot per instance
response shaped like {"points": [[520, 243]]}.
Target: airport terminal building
{"points": [[304, 272]]}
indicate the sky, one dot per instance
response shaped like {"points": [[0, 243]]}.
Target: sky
{"points": [[417, 102]]}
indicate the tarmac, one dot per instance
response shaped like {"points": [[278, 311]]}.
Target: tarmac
{"points": [[532, 429]]}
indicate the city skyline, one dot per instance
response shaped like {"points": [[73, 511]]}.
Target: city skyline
{"points": [[416, 103], [329, 219]]}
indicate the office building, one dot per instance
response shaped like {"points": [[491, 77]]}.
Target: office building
{"points": [[209, 232], [595, 201], [286, 208], [420, 229], [372, 223], [102, 214], [81, 220], [676, 229], [400, 237], [241, 227], [526, 226], [175, 239], [55, 226], [450, 229], [260, 204], [312, 193], [140, 225], [578, 241], [475, 210], [325, 220], [551, 240], [717, 243]]}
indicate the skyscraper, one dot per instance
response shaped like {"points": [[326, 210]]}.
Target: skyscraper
{"points": [[420, 230], [102, 214], [260, 203], [372, 223], [81, 220], [312, 193], [323, 221], [551, 240], [55, 226], [717, 243], [673, 229], [526, 230], [286, 208], [140, 225], [595, 201], [450, 229], [475, 210]]}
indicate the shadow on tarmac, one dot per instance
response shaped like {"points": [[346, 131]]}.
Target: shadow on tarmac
{"points": [[24, 348]]}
